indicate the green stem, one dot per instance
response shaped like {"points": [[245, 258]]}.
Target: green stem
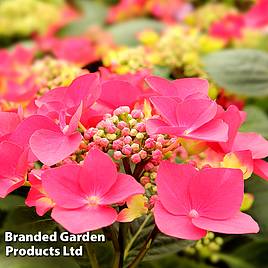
{"points": [[113, 235], [92, 255], [122, 236], [133, 239], [145, 248]]}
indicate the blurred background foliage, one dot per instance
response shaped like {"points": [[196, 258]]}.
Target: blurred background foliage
{"points": [[240, 71]]}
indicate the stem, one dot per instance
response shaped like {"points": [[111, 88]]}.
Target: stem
{"points": [[129, 245], [113, 234], [172, 146], [127, 166], [92, 255], [123, 230], [82, 127], [145, 248]]}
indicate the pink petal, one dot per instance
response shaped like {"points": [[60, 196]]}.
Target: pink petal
{"points": [[52, 147], [217, 193], [9, 185], [253, 142], [193, 114], [8, 122], [85, 218], [161, 85], [191, 86], [124, 187], [85, 88], [166, 107], [215, 130], [172, 185], [75, 120], [240, 223], [177, 226], [261, 168], [117, 93], [27, 127], [156, 126], [98, 173], [233, 118], [62, 185]]}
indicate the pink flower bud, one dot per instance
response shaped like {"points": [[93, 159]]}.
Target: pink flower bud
{"points": [[127, 140], [150, 143], [137, 114], [117, 155], [90, 133], [143, 154], [144, 180], [121, 125], [103, 142], [149, 166], [118, 144], [125, 131], [110, 128], [135, 158], [135, 147], [127, 149], [141, 127], [121, 110]]}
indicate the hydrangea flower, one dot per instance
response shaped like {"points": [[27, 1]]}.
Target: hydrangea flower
{"points": [[87, 192], [190, 202]]}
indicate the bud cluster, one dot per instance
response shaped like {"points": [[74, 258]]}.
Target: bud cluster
{"points": [[123, 135], [207, 247], [51, 73]]}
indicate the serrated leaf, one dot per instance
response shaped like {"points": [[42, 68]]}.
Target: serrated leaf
{"points": [[257, 121], [242, 71], [125, 33]]}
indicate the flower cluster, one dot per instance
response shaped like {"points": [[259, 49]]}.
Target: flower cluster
{"points": [[133, 140]]}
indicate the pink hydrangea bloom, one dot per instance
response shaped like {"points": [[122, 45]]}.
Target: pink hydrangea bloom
{"points": [[87, 192], [190, 202], [191, 118], [228, 28], [13, 162]]}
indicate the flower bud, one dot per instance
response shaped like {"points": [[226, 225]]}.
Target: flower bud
{"points": [[127, 149], [135, 158], [117, 155]]}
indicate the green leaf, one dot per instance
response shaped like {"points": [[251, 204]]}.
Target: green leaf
{"points": [[257, 121], [163, 245], [254, 253], [25, 220], [259, 187], [125, 33], [94, 13], [11, 202], [242, 71], [175, 261]]}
